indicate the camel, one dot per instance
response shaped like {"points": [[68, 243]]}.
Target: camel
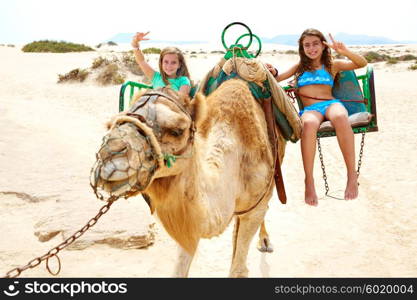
{"points": [[222, 168]]}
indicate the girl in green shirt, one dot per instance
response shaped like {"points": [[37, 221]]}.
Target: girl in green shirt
{"points": [[173, 71]]}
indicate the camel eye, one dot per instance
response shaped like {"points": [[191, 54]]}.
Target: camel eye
{"points": [[176, 132]]}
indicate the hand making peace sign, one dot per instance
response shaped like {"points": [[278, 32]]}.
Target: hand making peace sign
{"points": [[139, 36], [339, 47]]}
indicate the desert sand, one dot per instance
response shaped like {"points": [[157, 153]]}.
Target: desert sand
{"points": [[51, 132]]}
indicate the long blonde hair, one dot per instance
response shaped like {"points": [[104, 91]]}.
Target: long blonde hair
{"points": [[182, 70]]}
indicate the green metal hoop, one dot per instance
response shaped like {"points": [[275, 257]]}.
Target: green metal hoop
{"points": [[237, 23], [256, 37]]}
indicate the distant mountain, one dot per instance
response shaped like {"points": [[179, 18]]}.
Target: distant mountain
{"points": [[348, 39], [127, 38], [283, 39]]}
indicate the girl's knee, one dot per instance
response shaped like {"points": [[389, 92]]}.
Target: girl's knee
{"points": [[339, 119], [311, 123]]}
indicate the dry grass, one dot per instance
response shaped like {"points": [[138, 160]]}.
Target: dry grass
{"points": [[128, 59], [110, 75], [99, 61], [106, 70], [413, 67], [74, 75]]}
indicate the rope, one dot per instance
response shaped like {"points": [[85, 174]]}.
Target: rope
{"points": [[171, 158]]}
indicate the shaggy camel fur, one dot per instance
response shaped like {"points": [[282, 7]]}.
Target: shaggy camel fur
{"points": [[223, 172]]}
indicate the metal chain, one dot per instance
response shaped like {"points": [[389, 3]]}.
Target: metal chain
{"points": [[54, 251], [361, 153], [326, 185]]}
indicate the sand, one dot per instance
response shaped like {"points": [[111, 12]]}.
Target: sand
{"points": [[51, 132]]}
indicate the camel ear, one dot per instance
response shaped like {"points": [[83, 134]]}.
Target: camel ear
{"points": [[185, 100], [199, 109]]}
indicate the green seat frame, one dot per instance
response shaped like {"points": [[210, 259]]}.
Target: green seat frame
{"points": [[132, 87]]}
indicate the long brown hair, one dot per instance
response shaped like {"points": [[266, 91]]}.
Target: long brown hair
{"points": [[305, 61], [182, 70]]}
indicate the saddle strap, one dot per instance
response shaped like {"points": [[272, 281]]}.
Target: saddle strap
{"points": [[272, 133]]}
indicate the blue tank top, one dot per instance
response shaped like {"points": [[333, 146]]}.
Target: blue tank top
{"points": [[320, 76]]}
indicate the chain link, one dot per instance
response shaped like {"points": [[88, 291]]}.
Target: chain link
{"points": [[361, 153], [326, 185], [54, 251]]}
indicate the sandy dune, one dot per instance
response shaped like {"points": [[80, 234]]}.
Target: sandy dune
{"points": [[51, 132]]}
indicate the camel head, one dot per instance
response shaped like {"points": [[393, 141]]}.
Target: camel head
{"points": [[148, 141]]}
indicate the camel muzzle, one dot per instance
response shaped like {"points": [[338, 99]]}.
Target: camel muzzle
{"points": [[127, 159]]}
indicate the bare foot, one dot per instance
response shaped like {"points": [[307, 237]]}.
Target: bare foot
{"points": [[352, 191], [310, 194]]}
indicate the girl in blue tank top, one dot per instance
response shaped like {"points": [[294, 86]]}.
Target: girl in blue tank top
{"points": [[314, 74], [173, 71]]}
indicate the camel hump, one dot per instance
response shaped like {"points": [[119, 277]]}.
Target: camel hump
{"points": [[262, 85]]}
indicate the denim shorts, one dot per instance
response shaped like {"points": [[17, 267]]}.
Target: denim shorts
{"points": [[321, 106]]}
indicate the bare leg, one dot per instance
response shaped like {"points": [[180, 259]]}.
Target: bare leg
{"points": [[337, 114], [311, 122]]}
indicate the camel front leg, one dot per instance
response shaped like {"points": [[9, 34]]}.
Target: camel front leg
{"points": [[183, 263], [244, 231], [264, 244]]}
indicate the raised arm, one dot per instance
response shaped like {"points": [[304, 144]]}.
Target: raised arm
{"points": [[356, 60], [140, 58]]}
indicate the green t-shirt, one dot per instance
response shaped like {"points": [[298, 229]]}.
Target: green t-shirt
{"points": [[176, 83]]}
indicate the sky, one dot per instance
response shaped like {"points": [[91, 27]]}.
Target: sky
{"points": [[95, 21]]}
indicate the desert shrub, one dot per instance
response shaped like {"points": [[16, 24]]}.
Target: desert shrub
{"points": [[407, 57], [152, 50], [129, 61], [217, 52], [392, 60], [291, 52], [73, 75], [10, 45], [413, 67], [110, 43], [110, 75], [55, 47], [99, 61], [372, 56]]}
